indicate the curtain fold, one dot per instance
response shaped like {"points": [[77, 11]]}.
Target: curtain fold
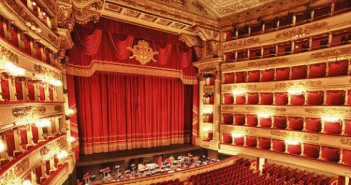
{"points": [[119, 47], [195, 129], [90, 42], [118, 112]]}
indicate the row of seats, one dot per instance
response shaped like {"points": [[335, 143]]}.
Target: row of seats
{"points": [[305, 150], [24, 42], [328, 97], [308, 124], [170, 182], [31, 87], [286, 21], [319, 70]]}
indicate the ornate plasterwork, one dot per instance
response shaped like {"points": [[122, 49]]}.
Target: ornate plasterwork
{"points": [[20, 112], [302, 30], [46, 71], [6, 54], [309, 83], [11, 177], [332, 53], [345, 141], [190, 41], [295, 135], [329, 111], [231, 45], [142, 52]]}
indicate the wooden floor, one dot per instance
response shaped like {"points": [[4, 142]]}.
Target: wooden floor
{"points": [[92, 159]]}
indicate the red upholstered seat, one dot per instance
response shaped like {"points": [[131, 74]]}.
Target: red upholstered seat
{"points": [[295, 123], [313, 124], [311, 150], [279, 122], [239, 141], [317, 70], [211, 99], [251, 141], [240, 77], [282, 74], [239, 119], [331, 154], [335, 98], [281, 98], [210, 118], [347, 127], [212, 80], [240, 99], [267, 75], [264, 143], [19, 90], [267, 98], [254, 76], [315, 98], [299, 72], [228, 99], [228, 118], [227, 138], [338, 68], [294, 149], [229, 78], [297, 99], [5, 89], [252, 98], [346, 157], [266, 122], [349, 98], [251, 120], [229, 56], [279, 145], [332, 127]]}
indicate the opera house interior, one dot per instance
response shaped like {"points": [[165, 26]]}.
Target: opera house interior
{"points": [[175, 92]]}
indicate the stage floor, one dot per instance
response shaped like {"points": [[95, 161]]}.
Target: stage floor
{"points": [[92, 159]]}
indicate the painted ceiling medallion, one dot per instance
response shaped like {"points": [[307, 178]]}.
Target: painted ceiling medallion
{"points": [[143, 52]]}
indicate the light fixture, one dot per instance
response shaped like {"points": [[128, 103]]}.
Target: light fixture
{"points": [[27, 182], [34, 3], [207, 111], [296, 91], [55, 82], [331, 119], [43, 123], [44, 14], [38, 30], [2, 146], [263, 115], [237, 135], [13, 69], [69, 112], [292, 142], [72, 139], [62, 154], [239, 92]]}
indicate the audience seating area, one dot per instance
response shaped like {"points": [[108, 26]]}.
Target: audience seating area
{"points": [[241, 173]]}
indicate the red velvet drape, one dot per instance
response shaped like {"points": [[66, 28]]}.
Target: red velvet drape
{"points": [[117, 112], [195, 129]]}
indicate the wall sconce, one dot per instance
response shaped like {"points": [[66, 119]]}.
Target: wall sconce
{"points": [[43, 123], [70, 112], [331, 119], [292, 142], [55, 82], [207, 111], [263, 115], [72, 139], [62, 154], [237, 135], [239, 92], [11, 68], [27, 182], [2, 146], [295, 91]]}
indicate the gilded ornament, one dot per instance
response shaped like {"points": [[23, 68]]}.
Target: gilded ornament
{"points": [[267, 62], [227, 108], [240, 43], [345, 141], [302, 31], [143, 52], [47, 71], [6, 54], [20, 112], [332, 53]]}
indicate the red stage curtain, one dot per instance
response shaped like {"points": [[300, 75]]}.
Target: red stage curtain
{"points": [[47, 55], [282, 74], [195, 130], [119, 45], [5, 89], [42, 92], [129, 112], [2, 30], [280, 122], [37, 47], [252, 120], [254, 76], [239, 119], [349, 97], [251, 141], [252, 98]]}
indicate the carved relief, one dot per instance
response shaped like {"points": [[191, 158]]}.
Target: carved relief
{"points": [[267, 62], [329, 111], [83, 16], [6, 54], [311, 83], [345, 141], [143, 52], [206, 35], [65, 17], [266, 109], [190, 40], [20, 112], [245, 130], [47, 71], [58, 108], [303, 136], [226, 129], [243, 86], [212, 48], [331, 53], [240, 43], [302, 31], [227, 108]]}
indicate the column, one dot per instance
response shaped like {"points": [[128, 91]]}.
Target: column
{"points": [[292, 47], [249, 31], [332, 8], [310, 41], [236, 55], [312, 15], [201, 106], [12, 88], [263, 27], [216, 107], [25, 90], [294, 19], [278, 24], [47, 94], [330, 38]]}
